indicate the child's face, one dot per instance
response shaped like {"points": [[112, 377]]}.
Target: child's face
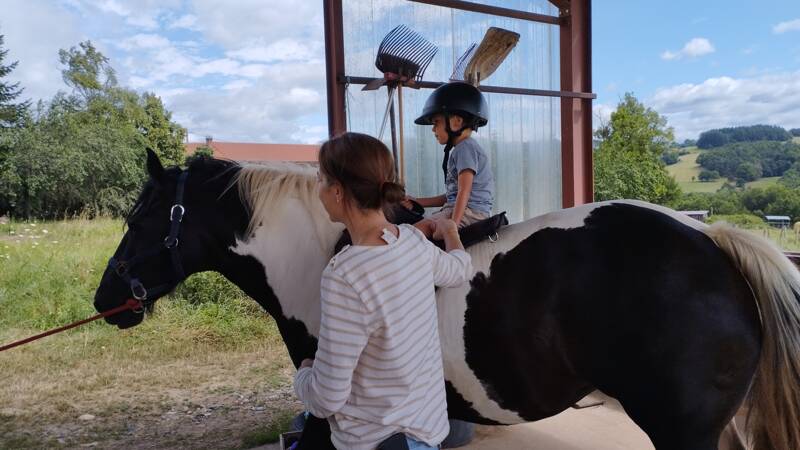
{"points": [[440, 131]]}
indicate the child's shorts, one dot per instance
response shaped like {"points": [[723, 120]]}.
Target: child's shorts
{"points": [[468, 218]]}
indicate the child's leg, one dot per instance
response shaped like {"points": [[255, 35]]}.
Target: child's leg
{"points": [[469, 217]]}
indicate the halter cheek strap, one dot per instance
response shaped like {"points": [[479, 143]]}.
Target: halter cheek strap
{"points": [[123, 268]]}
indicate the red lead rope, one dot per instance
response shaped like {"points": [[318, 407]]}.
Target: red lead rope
{"points": [[130, 304]]}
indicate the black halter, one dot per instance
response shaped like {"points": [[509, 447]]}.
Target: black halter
{"points": [[123, 268]]}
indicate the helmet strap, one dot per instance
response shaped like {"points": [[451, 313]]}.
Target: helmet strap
{"points": [[452, 136]]}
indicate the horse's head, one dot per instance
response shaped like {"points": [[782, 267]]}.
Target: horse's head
{"points": [[183, 222]]}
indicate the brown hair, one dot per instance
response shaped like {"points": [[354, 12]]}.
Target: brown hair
{"points": [[364, 167]]}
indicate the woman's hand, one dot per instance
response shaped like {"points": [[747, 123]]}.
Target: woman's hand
{"points": [[442, 227], [306, 363]]}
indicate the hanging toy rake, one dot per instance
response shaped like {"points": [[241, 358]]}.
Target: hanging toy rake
{"points": [[403, 56]]}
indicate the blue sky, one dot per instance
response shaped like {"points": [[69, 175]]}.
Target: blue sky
{"points": [[729, 63], [253, 70]]}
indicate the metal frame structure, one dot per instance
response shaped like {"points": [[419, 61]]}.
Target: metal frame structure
{"points": [[574, 22]]}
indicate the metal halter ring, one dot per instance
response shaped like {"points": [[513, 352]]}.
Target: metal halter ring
{"points": [[172, 212], [138, 290], [494, 237], [170, 242]]}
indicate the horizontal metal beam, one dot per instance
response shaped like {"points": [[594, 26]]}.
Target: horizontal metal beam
{"points": [[346, 79], [493, 10]]}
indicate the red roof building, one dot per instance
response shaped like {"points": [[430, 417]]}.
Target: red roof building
{"points": [[252, 152]]}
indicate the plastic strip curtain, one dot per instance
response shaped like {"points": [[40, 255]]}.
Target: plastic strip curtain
{"points": [[523, 135]]}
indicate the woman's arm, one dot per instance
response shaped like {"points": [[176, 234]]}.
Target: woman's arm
{"points": [[453, 267], [325, 385]]}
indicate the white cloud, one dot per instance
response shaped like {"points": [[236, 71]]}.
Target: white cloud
{"points": [[34, 32], [113, 7], [725, 101], [694, 48], [236, 85], [187, 21], [282, 50], [144, 41], [266, 84], [783, 27]]}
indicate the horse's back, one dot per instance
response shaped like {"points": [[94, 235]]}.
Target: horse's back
{"points": [[627, 298]]}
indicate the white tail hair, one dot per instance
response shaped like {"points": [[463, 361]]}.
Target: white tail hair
{"points": [[773, 403]]}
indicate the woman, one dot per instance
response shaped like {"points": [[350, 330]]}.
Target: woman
{"points": [[377, 374]]}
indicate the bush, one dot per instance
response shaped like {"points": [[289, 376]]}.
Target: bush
{"points": [[795, 132], [670, 157], [740, 220], [207, 287], [708, 175]]}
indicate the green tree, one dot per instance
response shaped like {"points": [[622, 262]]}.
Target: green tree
{"points": [[88, 71], [708, 175], [203, 151], [84, 150], [636, 128], [11, 114], [628, 162], [748, 172]]}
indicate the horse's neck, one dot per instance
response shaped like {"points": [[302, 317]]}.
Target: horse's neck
{"points": [[293, 253]]}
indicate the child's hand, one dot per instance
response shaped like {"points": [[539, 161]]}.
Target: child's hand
{"points": [[442, 226], [306, 363]]}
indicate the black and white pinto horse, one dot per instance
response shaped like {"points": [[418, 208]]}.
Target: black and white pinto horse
{"points": [[681, 322]]}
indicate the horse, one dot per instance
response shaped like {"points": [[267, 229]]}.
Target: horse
{"points": [[681, 322]]}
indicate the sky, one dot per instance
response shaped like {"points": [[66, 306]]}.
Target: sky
{"points": [[254, 70]]}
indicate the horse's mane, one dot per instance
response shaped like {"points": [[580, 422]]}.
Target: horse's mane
{"points": [[264, 189]]}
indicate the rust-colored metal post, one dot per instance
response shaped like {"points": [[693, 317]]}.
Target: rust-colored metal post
{"points": [[334, 66], [577, 179]]}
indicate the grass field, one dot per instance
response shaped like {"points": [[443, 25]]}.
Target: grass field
{"points": [[687, 168], [198, 373]]}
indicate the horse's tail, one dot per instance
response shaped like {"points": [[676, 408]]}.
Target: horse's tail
{"points": [[773, 402]]}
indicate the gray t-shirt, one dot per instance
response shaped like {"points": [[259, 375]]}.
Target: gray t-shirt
{"points": [[468, 154]]}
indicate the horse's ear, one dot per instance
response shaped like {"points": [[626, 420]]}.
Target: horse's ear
{"points": [[154, 167]]}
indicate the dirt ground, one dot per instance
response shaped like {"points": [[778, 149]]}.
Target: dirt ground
{"points": [[195, 419]]}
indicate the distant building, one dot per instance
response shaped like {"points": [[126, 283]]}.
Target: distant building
{"points": [[779, 221], [702, 216], [252, 152]]}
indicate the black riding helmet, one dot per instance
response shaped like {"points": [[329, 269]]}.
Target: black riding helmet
{"points": [[459, 98]]}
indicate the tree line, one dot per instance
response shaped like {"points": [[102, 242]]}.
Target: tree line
{"points": [[723, 136], [81, 151]]}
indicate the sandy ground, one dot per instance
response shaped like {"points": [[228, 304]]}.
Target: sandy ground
{"points": [[604, 427]]}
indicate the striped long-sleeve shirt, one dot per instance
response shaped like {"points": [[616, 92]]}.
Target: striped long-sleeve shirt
{"points": [[378, 366]]}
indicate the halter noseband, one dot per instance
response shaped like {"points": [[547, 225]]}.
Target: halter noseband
{"points": [[123, 268]]}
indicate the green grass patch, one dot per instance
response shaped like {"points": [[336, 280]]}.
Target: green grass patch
{"points": [[280, 423], [763, 182], [687, 172]]}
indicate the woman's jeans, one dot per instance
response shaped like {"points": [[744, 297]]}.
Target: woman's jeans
{"points": [[414, 444]]}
